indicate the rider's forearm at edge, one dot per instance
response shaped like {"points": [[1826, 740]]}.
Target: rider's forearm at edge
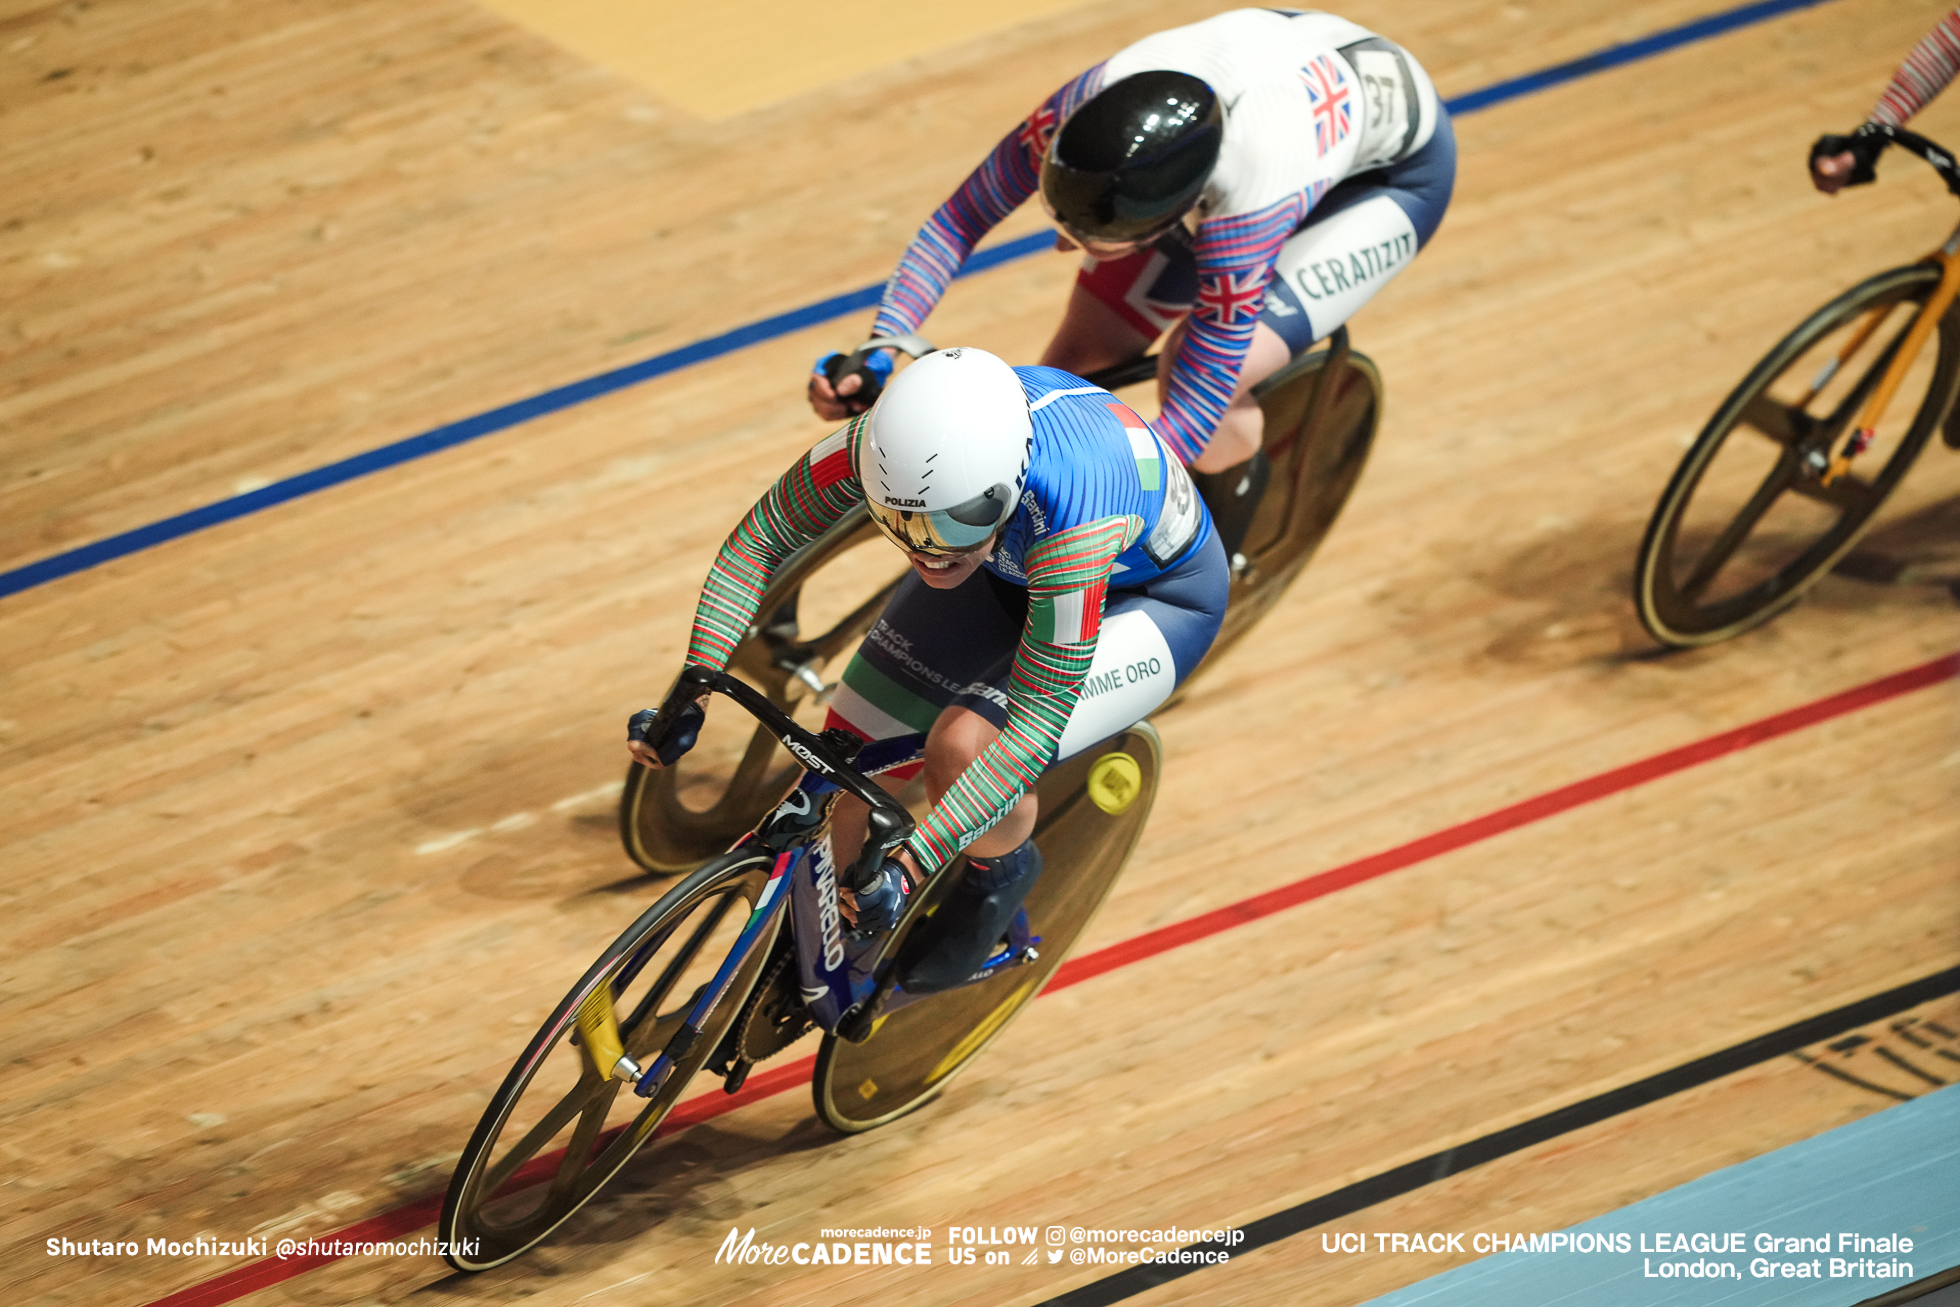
{"points": [[1068, 576], [805, 502], [1925, 73], [1002, 182], [1235, 257]]}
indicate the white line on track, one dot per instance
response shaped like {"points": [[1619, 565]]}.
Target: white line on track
{"points": [[519, 820]]}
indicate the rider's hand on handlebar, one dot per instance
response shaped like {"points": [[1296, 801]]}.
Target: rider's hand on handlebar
{"points": [[1840, 161], [824, 398], [877, 909], [847, 901], [1830, 172], [686, 731], [835, 403]]}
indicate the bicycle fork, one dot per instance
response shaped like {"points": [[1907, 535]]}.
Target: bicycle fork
{"points": [[598, 1020], [1915, 339]]}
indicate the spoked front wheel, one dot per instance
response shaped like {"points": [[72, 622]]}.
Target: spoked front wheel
{"points": [[561, 1125], [1750, 519], [1093, 807], [673, 818]]}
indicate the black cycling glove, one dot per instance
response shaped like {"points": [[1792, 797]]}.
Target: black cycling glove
{"points": [[879, 906], [686, 730], [1863, 145], [873, 371]]}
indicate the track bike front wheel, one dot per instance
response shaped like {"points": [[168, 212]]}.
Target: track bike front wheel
{"points": [[673, 818], [1747, 523], [1093, 808], [560, 1126]]}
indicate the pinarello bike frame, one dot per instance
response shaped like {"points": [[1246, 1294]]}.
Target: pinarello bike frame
{"points": [[846, 981]]}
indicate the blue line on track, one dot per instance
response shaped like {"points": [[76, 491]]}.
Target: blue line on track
{"points": [[578, 392], [1701, 29]]}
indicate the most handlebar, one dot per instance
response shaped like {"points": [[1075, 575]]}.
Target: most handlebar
{"points": [[889, 824], [1936, 155]]}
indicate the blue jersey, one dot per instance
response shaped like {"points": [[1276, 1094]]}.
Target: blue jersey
{"points": [[1094, 459]]}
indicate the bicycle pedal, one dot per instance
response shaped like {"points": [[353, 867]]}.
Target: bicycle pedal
{"points": [[737, 1076]]}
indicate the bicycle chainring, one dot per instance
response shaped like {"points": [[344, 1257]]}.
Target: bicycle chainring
{"points": [[775, 1016]]}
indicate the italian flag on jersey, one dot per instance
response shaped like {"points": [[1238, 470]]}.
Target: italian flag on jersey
{"points": [[1072, 617], [830, 459], [1143, 446]]}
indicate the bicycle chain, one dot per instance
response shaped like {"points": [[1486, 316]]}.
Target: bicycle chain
{"points": [[782, 1027]]}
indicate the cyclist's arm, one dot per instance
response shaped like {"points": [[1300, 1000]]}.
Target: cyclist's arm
{"points": [[1924, 74], [1068, 576], [805, 502], [1235, 261], [995, 189]]}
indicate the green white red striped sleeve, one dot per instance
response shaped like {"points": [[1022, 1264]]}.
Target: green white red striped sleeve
{"points": [[1925, 73], [1068, 580], [808, 500]]}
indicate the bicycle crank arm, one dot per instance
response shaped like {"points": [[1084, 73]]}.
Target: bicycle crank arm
{"points": [[805, 674], [857, 1024], [649, 1082]]}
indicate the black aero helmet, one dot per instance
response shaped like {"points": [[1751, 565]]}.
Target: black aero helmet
{"points": [[1133, 158]]}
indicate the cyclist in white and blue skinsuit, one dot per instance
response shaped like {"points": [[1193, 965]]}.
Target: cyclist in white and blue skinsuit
{"points": [[1159, 583], [1249, 181]]}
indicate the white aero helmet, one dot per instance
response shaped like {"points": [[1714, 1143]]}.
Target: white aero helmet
{"points": [[944, 453]]}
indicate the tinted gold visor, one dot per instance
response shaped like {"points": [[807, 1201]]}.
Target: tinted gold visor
{"points": [[962, 529]]}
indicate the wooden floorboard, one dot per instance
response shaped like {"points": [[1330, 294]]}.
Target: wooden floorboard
{"points": [[305, 820]]}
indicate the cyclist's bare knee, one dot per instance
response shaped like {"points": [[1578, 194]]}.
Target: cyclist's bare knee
{"points": [[956, 739]]}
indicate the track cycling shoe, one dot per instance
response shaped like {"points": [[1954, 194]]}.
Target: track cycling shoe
{"points": [[965, 930]]}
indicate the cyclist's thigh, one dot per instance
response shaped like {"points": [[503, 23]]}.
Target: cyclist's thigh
{"points": [[1151, 639], [1357, 239], [935, 649], [928, 650]]}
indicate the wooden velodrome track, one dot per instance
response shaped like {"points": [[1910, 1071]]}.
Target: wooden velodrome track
{"points": [[307, 817]]}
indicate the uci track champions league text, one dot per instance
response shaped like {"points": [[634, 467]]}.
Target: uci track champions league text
{"points": [[1674, 1255]]}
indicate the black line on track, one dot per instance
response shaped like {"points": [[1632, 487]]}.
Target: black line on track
{"points": [[1908, 1067], [1841, 1074], [1425, 1171]]}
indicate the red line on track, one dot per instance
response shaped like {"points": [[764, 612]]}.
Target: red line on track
{"points": [[400, 1221], [1549, 804]]}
